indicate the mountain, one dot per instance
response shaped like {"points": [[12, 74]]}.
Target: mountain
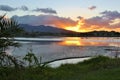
{"points": [[49, 30], [42, 28]]}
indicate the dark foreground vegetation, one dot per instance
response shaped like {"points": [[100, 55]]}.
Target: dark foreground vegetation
{"points": [[98, 68]]}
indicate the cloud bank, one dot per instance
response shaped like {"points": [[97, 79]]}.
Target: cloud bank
{"points": [[50, 20], [103, 22], [108, 20]]}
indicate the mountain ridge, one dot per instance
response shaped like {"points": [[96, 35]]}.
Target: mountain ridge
{"points": [[53, 31], [43, 28]]}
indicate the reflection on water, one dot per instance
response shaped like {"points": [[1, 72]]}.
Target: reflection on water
{"points": [[76, 41], [55, 48]]}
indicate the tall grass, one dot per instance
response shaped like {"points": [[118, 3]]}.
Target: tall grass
{"points": [[97, 68]]}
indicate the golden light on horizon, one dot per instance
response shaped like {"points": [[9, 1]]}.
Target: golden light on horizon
{"points": [[80, 26], [77, 28]]}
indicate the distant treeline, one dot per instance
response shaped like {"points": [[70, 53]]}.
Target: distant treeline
{"points": [[100, 34], [71, 34]]}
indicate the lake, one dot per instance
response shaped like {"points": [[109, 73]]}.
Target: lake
{"points": [[52, 48]]}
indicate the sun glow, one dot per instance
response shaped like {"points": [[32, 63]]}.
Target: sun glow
{"points": [[83, 26], [77, 28]]}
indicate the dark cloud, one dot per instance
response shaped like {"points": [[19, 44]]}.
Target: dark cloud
{"points": [[105, 19], [110, 14], [108, 19], [92, 7], [50, 20], [97, 21], [24, 8], [7, 8], [79, 17], [45, 10]]}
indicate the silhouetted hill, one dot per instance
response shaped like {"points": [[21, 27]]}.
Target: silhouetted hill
{"points": [[44, 29], [100, 34], [34, 31]]}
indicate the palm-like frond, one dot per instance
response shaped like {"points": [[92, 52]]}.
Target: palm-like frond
{"points": [[8, 29]]}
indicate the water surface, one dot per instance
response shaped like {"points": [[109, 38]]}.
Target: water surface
{"points": [[62, 47]]}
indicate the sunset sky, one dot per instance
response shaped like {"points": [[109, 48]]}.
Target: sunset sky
{"points": [[76, 15]]}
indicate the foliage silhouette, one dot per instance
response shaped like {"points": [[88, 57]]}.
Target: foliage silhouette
{"points": [[8, 29]]}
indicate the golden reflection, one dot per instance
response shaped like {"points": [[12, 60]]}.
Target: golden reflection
{"points": [[76, 43], [71, 41], [82, 42]]}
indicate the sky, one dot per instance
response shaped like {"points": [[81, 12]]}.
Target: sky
{"points": [[76, 15]]}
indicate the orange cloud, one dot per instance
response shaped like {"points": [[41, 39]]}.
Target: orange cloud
{"points": [[108, 21]]}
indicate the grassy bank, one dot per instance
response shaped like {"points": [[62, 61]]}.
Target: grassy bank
{"points": [[99, 68]]}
